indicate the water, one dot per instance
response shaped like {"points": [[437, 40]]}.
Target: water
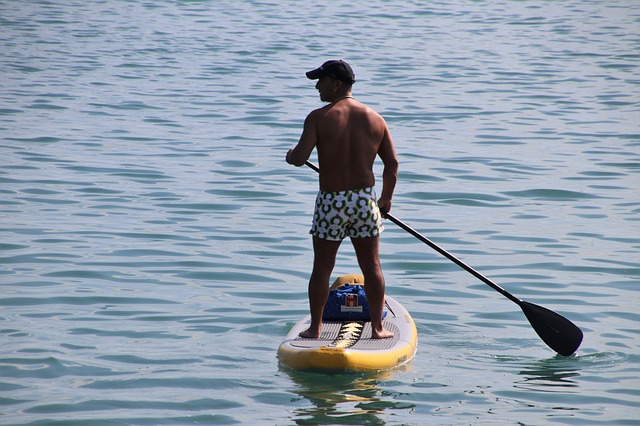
{"points": [[154, 242]]}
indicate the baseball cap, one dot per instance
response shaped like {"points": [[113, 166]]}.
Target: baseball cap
{"points": [[336, 68]]}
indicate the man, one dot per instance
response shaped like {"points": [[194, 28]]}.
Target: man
{"points": [[348, 136]]}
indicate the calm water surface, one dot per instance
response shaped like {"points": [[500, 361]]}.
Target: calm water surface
{"points": [[154, 243]]}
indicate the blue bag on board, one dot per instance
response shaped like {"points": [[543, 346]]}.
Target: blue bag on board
{"points": [[347, 302]]}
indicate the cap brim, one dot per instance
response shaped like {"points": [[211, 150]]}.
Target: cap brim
{"points": [[315, 74]]}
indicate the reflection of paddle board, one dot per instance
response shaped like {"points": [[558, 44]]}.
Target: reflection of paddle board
{"points": [[347, 345]]}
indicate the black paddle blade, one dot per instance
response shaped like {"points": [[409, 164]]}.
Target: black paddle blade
{"points": [[556, 331]]}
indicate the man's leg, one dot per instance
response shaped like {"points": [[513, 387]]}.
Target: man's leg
{"points": [[369, 261], [324, 259]]}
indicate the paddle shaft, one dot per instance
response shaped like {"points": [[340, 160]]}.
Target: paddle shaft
{"points": [[442, 251], [451, 257]]}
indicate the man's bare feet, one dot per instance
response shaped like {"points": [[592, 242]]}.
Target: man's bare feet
{"points": [[310, 334], [383, 334]]}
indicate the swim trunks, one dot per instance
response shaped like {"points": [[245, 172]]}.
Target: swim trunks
{"points": [[353, 213]]}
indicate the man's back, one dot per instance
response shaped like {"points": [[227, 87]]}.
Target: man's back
{"points": [[349, 137]]}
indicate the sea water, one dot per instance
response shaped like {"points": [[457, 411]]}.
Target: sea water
{"points": [[155, 246]]}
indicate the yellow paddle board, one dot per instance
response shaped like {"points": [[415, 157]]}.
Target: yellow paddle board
{"points": [[347, 345]]}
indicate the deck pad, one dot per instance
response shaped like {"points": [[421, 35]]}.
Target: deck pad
{"points": [[348, 334]]}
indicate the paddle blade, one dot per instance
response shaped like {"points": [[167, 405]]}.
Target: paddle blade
{"points": [[556, 331]]}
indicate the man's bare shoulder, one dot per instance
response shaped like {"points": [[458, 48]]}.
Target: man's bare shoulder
{"points": [[318, 113], [366, 116], [355, 109], [366, 109], [314, 117]]}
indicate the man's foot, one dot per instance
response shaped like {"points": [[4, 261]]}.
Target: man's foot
{"points": [[310, 334], [383, 334]]}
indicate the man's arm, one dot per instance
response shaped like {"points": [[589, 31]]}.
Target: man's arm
{"points": [[308, 140], [388, 156]]}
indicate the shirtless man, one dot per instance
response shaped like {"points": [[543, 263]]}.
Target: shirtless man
{"points": [[348, 136]]}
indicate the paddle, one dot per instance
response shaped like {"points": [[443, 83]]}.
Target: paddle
{"points": [[556, 331]]}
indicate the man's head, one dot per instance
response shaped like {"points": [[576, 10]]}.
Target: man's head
{"points": [[336, 69]]}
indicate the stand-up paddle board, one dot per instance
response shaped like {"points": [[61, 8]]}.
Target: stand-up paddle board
{"points": [[346, 345]]}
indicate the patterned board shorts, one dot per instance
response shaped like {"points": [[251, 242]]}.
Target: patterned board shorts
{"points": [[353, 213]]}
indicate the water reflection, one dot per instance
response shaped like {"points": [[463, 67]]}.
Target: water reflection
{"points": [[557, 374], [344, 398]]}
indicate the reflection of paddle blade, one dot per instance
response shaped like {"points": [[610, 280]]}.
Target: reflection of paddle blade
{"points": [[556, 331]]}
